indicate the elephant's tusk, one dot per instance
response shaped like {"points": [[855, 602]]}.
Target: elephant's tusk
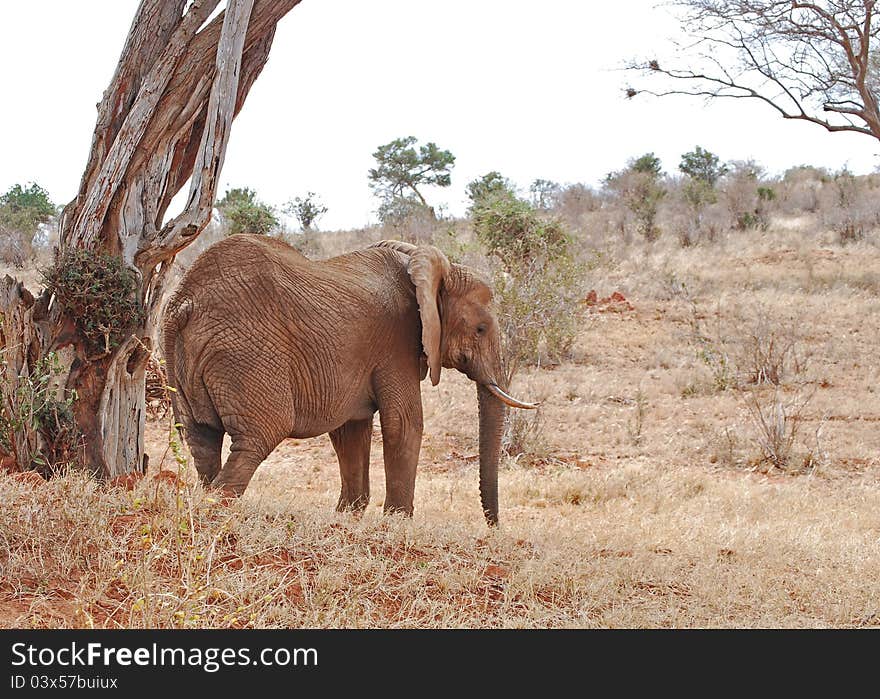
{"points": [[509, 400]]}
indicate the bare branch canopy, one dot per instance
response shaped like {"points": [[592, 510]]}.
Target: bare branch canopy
{"points": [[812, 61]]}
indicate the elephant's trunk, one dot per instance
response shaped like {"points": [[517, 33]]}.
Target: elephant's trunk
{"points": [[491, 426]]}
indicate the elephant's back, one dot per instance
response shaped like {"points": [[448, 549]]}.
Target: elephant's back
{"points": [[242, 254]]}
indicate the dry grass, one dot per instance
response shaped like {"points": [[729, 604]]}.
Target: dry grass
{"points": [[650, 506]]}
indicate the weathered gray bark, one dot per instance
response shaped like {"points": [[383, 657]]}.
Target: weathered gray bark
{"points": [[164, 119]]}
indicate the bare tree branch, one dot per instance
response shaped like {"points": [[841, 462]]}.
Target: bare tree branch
{"points": [[811, 61], [221, 109]]}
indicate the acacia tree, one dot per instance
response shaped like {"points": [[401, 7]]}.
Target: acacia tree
{"points": [[401, 170], [164, 120], [816, 61]]}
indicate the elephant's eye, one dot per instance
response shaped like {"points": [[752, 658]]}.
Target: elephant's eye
{"points": [[481, 329]]}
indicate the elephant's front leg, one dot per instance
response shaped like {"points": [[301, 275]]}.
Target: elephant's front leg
{"points": [[401, 441], [352, 445]]}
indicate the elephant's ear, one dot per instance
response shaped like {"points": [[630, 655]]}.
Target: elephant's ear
{"points": [[428, 268]]}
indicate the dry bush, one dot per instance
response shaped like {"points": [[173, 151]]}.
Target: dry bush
{"points": [[801, 189], [754, 348], [158, 401], [771, 353], [417, 225], [525, 437], [748, 196], [15, 249], [694, 212], [639, 196], [851, 206], [777, 422], [574, 202], [636, 424]]}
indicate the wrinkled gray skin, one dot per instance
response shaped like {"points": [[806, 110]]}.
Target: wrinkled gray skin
{"points": [[264, 344]]}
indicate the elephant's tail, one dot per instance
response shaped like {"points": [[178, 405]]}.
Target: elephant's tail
{"points": [[177, 316]]}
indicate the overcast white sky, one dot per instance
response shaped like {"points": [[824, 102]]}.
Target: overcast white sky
{"points": [[531, 89]]}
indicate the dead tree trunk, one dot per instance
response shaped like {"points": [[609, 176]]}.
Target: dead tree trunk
{"points": [[164, 120]]}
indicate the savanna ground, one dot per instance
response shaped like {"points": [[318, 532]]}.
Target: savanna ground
{"points": [[645, 500]]}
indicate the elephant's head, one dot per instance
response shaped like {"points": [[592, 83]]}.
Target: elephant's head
{"points": [[459, 331]]}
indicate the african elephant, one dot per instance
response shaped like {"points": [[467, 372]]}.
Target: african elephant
{"points": [[264, 344]]}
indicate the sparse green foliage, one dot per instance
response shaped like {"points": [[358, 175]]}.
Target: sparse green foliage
{"points": [[512, 230], [22, 211], [698, 194], [490, 186], [24, 208], [307, 210], [245, 213], [98, 293], [647, 164], [538, 286], [702, 171], [40, 405], [401, 171], [700, 164], [711, 351]]}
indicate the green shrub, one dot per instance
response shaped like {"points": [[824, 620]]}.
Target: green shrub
{"points": [[538, 283], [514, 232], [38, 404], [22, 210], [244, 213], [99, 293], [702, 165], [490, 186]]}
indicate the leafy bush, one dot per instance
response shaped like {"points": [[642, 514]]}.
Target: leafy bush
{"points": [[22, 211], [25, 208], [490, 186], [703, 166], [244, 213], [38, 404], [99, 293], [513, 231], [537, 286], [401, 212]]}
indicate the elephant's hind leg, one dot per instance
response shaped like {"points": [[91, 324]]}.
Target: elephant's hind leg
{"points": [[244, 457], [352, 445], [205, 444]]}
